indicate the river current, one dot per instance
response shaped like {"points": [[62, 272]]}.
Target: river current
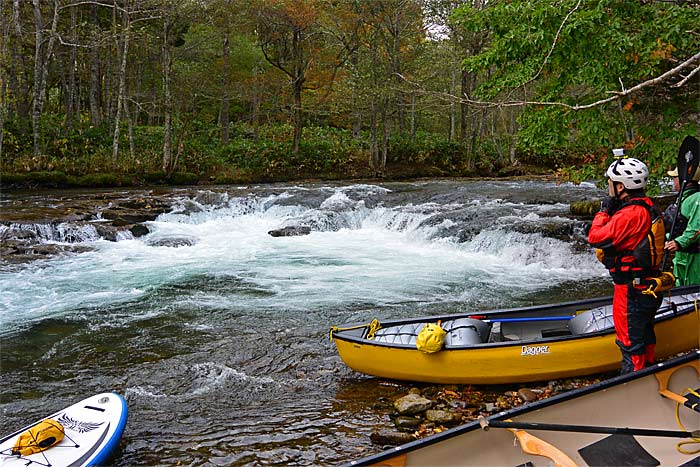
{"points": [[216, 332]]}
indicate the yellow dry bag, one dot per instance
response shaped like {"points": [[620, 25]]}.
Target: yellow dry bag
{"points": [[430, 338], [39, 438]]}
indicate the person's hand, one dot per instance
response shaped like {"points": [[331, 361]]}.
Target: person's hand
{"points": [[609, 204], [671, 246]]}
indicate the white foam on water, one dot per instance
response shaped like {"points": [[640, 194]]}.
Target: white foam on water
{"points": [[382, 254], [140, 392], [211, 376]]}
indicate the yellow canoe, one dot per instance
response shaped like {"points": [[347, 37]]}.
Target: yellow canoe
{"points": [[516, 345], [635, 419]]}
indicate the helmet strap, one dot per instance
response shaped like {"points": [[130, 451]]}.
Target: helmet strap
{"points": [[619, 190]]}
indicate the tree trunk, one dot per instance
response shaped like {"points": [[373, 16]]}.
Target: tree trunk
{"points": [[112, 64], [357, 113], [150, 121], [513, 138], [453, 104], [122, 87], [357, 121], [3, 83], [72, 64], [299, 79], [168, 166], [41, 69], [255, 115], [373, 144], [95, 86], [130, 124], [464, 129], [385, 138], [413, 116], [225, 99], [38, 39], [18, 82], [395, 69], [298, 127], [135, 96], [628, 129]]}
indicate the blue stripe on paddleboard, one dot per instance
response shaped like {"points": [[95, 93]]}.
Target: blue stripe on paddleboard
{"points": [[107, 450]]}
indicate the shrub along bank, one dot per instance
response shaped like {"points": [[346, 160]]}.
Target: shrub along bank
{"points": [[84, 157]]}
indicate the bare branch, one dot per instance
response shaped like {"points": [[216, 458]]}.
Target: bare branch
{"points": [[685, 80], [616, 94], [554, 44], [93, 2]]}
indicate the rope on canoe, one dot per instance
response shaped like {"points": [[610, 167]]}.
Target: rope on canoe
{"points": [[693, 440], [373, 327]]}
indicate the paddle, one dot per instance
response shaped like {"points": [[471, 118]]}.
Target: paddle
{"points": [[485, 424], [688, 162]]}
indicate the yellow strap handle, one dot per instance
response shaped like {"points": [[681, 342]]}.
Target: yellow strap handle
{"points": [[374, 326]]}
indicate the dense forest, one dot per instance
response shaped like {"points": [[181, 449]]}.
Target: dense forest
{"points": [[110, 92]]}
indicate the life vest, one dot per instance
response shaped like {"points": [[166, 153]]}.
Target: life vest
{"points": [[681, 221], [645, 259]]}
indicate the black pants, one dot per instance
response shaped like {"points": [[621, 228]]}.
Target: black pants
{"points": [[633, 315]]}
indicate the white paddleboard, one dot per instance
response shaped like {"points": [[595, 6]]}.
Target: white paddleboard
{"points": [[92, 427]]}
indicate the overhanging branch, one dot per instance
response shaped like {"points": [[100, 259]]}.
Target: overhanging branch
{"points": [[615, 94]]}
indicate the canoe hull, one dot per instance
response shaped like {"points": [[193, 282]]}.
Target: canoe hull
{"points": [[630, 401], [516, 362]]}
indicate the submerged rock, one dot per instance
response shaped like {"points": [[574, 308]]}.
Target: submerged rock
{"points": [[139, 230], [412, 404], [527, 395], [406, 423], [442, 417], [391, 438], [172, 242], [290, 231]]}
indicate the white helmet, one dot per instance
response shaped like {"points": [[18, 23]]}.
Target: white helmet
{"points": [[631, 172]]}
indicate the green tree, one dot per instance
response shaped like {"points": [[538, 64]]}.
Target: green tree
{"points": [[585, 76]]}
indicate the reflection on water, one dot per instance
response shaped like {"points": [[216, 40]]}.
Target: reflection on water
{"points": [[216, 332]]}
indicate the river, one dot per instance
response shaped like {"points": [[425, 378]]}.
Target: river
{"points": [[216, 333]]}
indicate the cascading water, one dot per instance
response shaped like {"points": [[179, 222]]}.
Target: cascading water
{"points": [[216, 331]]}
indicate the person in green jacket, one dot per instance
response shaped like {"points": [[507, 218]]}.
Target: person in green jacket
{"points": [[684, 241]]}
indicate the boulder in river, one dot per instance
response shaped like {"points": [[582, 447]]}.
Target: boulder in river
{"points": [[173, 242], [527, 395], [290, 231], [407, 423], [391, 438], [442, 417], [412, 404]]}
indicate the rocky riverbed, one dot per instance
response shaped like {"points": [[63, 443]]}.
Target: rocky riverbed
{"points": [[421, 411], [34, 226]]}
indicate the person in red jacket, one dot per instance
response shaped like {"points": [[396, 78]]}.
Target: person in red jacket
{"points": [[621, 232]]}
